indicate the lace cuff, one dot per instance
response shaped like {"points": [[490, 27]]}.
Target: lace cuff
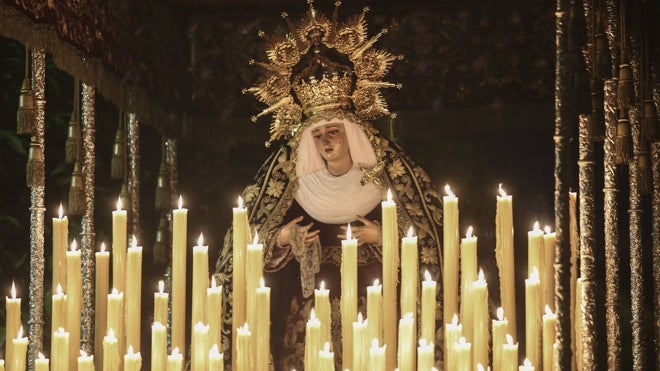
{"points": [[308, 257]]}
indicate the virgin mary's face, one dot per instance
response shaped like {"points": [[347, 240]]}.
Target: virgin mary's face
{"points": [[331, 141]]}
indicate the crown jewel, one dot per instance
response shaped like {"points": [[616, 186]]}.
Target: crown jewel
{"points": [[322, 65]]}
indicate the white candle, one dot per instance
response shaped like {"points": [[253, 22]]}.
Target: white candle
{"points": [[390, 238], [450, 262], [179, 238], [133, 305], [59, 351], [348, 295], [119, 242], [214, 311], [240, 237], [175, 361], [374, 309], [480, 333], [132, 360], [468, 275], [406, 351], [74, 302], [424, 355], [116, 320], [453, 331], [533, 317], [504, 253], [161, 303], [463, 350], [20, 344], [312, 341], [216, 359], [549, 337], [111, 360], [199, 347], [262, 326], [200, 281], [41, 363], [243, 352], [101, 302], [427, 332], [13, 322], [548, 273], [85, 362], [377, 356], [360, 344], [500, 327], [58, 316], [326, 359], [534, 248], [60, 241], [322, 310], [158, 346]]}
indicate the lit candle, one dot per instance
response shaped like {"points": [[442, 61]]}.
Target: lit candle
{"points": [[480, 333], [468, 275], [463, 351], [58, 315], [240, 238], [526, 366], [359, 344], [200, 281], [534, 249], [216, 359], [424, 355], [85, 362], [549, 337], [175, 361], [101, 301], [73, 302], [253, 272], [41, 363], [132, 360], [548, 274], [179, 238], [409, 274], [322, 310], [500, 327], [214, 312], [13, 322], [374, 309], [119, 242], [59, 351], [453, 331], [116, 320], [161, 303], [406, 351], [427, 331], [199, 347], [326, 359], [133, 305], [533, 317], [312, 341], [376, 356], [20, 344], [450, 262], [60, 241], [348, 295], [390, 239], [262, 326], [504, 256], [243, 353], [2, 365], [158, 346]]}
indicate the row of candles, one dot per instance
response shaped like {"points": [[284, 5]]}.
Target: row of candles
{"points": [[118, 312]]}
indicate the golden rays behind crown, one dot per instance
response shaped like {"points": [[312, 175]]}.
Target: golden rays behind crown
{"points": [[320, 65]]}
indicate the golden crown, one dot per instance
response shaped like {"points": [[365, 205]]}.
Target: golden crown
{"points": [[322, 65]]}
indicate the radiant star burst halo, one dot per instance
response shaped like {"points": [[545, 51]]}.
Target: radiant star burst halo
{"points": [[321, 65]]}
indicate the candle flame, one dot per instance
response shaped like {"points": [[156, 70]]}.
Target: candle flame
{"points": [[454, 320], [74, 245], [20, 332], [389, 195], [133, 241], [548, 311], [501, 191], [59, 289], [547, 229], [41, 356], [326, 347], [410, 232], [427, 275], [422, 343], [448, 191], [61, 330], [509, 339], [537, 227], [180, 202], [175, 351], [83, 353], [13, 290], [468, 234], [119, 203], [462, 340], [240, 202], [500, 314], [534, 276], [262, 283], [213, 283], [102, 246], [114, 291], [408, 316], [312, 315], [527, 362], [360, 319], [60, 211], [480, 367], [161, 286], [200, 239], [214, 350], [374, 343], [376, 282], [130, 349], [348, 231], [481, 277], [322, 285], [255, 240]]}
